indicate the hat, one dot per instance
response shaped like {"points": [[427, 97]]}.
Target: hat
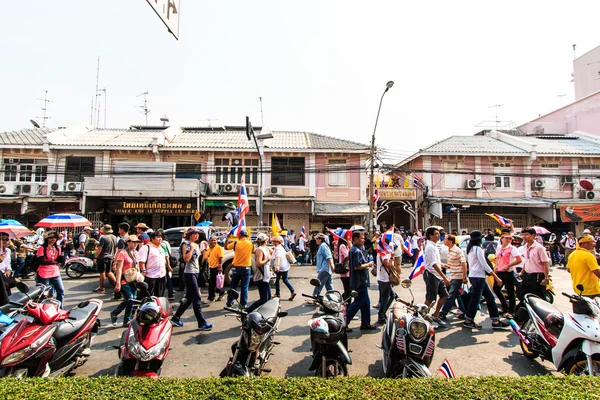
{"points": [[277, 238], [133, 238], [144, 236], [587, 239], [320, 236], [262, 236], [476, 235], [87, 228], [284, 232], [586, 231], [107, 229], [244, 233], [142, 226]]}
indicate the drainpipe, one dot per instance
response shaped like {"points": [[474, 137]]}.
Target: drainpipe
{"points": [[527, 180]]}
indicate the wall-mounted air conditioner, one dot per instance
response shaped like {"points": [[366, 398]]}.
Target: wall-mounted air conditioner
{"points": [[73, 187], [57, 187], [588, 195], [275, 191], [7, 189], [473, 184], [228, 188], [251, 190], [538, 184]]}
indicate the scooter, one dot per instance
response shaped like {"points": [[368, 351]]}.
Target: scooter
{"points": [[569, 340], [145, 343], [17, 300], [47, 341], [255, 345], [78, 265], [408, 340], [328, 337]]}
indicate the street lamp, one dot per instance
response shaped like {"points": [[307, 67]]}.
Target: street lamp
{"points": [[370, 224], [261, 136]]}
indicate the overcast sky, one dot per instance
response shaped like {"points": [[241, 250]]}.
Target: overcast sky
{"points": [[319, 66]]}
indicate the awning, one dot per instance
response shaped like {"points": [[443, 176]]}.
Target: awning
{"points": [[53, 199], [341, 209], [11, 199], [508, 202]]}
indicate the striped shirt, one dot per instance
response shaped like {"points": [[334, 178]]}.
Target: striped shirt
{"points": [[455, 259]]}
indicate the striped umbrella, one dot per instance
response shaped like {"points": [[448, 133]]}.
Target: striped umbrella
{"points": [[63, 221], [14, 228]]}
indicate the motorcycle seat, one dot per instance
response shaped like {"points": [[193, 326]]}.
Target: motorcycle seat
{"points": [[270, 309], [21, 298], [541, 307], [68, 328]]}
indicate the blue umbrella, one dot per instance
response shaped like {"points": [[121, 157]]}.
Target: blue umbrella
{"points": [[13, 228], [204, 223], [63, 221]]}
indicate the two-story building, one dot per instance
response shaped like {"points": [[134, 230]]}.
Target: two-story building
{"points": [[166, 177]]}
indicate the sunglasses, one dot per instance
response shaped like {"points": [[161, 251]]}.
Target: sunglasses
{"points": [[4, 239]]}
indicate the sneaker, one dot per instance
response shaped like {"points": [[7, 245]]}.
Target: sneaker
{"points": [[205, 327], [376, 305], [443, 317], [220, 297], [228, 306], [113, 319], [98, 290], [293, 296], [381, 321], [471, 325], [508, 315], [461, 316], [438, 321], [497, 324], [177, 322], [348, 329], [368, 328]]}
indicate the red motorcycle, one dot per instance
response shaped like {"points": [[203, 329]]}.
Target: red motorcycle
{"points": [[145, 343], [47, 341]]}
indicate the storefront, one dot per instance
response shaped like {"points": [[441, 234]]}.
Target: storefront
{"points": [[338, 215], [397, 206]]}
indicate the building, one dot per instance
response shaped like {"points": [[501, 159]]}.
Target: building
{"points": [[166, 177], [586, 73]]}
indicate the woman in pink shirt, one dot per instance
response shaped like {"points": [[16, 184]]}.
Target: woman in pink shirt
{"points": [[49, 258], [343, 258]]}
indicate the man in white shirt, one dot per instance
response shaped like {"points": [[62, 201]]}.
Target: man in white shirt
{"points": [[5, 256], [153, 265], [83, 238], [569, 243], [435, 281], [398, 248]]}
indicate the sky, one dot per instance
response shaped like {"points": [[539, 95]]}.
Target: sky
{"points": [[319, 66]]}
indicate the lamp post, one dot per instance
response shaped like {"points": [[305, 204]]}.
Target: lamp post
{"points": [[262, 136], [370, 224]]}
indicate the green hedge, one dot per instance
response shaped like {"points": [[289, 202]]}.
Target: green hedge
{"points": [[536, 387]]}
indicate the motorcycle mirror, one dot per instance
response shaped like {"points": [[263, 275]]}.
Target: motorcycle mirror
{"points": [[406, 283], [353, 293], [315, 282], [23, 288], [141, 285], [233, 294], [580, 288], [282, 314], [83, 304]]}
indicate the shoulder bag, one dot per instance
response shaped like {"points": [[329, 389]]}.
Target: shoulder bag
{"points": [[341, 267], [131, 275]]}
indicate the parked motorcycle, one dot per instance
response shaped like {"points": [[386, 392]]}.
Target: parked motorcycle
{"points": [[78, 265], [569, 340], [145, 343], [328, 337], [46, 340], [17, 300], [252, 350], [408, 340]]}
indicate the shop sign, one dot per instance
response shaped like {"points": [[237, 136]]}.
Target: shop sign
{"points": [[397, 194], [154, 207], [580, 213]]}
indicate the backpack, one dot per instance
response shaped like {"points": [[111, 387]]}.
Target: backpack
{"points": [[394, 276], [35, 262]]}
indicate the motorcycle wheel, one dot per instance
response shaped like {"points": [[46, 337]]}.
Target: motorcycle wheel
{"points": [[74, 270], [527, 328], [334, 368], [578, 366]]}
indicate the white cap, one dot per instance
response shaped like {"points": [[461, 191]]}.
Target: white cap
{"points": [[87, 228], [586, 230]]}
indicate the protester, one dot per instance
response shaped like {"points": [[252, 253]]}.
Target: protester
{"points": [[91, 245], [386, 293], [313, 247], [478, 268], [5, 256], [126, 259], [83, 238], [141, 228], [398, 248], [457, 264], [105, 253], [569, 244], [584, 268], [22, 250], [49, 259], [153, 265], [214, 255], [301, 249], [359, 280], [242, 265], [262, 275], [435, 280], [507, 258], [123, 238], [281, 266], [324, 262], [343, 259], [536, 270], [192, 256], [167, 249]]}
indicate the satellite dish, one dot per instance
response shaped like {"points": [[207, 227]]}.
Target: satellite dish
{"points": [[35, 124], [586, 185]]}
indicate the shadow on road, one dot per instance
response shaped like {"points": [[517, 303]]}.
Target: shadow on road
{"points": [[462, 338], [523, 366], [375, 370], [300, 368]]}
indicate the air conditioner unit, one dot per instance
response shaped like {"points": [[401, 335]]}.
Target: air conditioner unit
{"points": [[7, 189], [228, 188], [567, 180], [585, 195], [57, 187], [275, 191], [538, 184], [251, 191], [28, 188], [73, 187], [473, 184]]}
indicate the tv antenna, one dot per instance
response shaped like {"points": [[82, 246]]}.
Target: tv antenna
{"points": [[144, 107], [164, 119], [262, 121], [209, 120], [561, 96], [44, 108], [496, 106]]}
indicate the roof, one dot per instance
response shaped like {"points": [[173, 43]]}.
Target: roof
{"points": [[570, 144], [25, 137], [482, 201], [472, 144]]}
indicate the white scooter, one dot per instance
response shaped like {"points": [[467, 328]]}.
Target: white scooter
{"points": [[570, 340], [78, 265]]}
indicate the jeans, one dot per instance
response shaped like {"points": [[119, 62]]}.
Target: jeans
{"points": [[192, 295], [361, 303], [283, 275], [56, 283], [454, 294], [170, 285], [508, 280], [20, 265], [129, 292], [386, 297], [212, 284], [346, 283], [240, 274], [480, 287], [264, 291], [325, 278], [156, 286]]}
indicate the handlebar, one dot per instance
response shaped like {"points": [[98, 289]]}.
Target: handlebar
{"points": [[236, 311], [309, 296]]}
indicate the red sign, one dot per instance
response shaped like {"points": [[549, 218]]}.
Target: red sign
{"points": [[580, 213]]}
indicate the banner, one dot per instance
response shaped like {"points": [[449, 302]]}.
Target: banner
{"points": [[580, 213]]}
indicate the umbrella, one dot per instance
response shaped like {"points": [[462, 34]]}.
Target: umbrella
{"points": [[357, 228], [14, 228], [63, 220], [540, 230], [204, 223]]}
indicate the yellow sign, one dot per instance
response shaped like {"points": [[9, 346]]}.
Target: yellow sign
{"points": [[152, 207], [397, 194], [197, 215]]}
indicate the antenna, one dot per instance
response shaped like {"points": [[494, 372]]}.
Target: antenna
{"points": [[561, 98], [98, 117], [262, 121], [44, 108], [574, 57], [96, 94], [209, 120], [497, 106], [144, 108], [164, 119]]}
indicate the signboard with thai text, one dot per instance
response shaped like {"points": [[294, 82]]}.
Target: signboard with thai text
{"points": [[580, 213], [397, 194], [153, 207]]}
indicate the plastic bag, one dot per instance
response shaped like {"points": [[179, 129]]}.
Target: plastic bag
{"points": [[220, 280]]}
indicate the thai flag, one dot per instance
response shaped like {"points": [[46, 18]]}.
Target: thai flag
{"points": [[237, 230], [447, 370], [384, 246], [341, 234], [408, 247], [500, 219], [303, 233], [418, 268], [375, 196], [243, 205]]}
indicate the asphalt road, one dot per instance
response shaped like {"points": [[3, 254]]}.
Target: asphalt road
{"points": [[204, 354]]}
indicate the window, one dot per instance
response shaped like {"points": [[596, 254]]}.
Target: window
{"points": [[502, 181], [287, 171], [453, 181], [553, 166], [337, 173], [231, 170], [191, 171], [588, 166], [501, 165], [25, 170], [78, 168]]}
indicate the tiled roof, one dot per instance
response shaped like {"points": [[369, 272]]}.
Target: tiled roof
{"points": [[563, 144], [25, 137], [106, 138], [471, 144]]}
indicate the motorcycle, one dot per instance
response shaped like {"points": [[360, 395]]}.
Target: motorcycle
{"points": [[408, 339], [47, 341], [328, 336], [569, 340], [252, 350], [17, 300], [78, 265], [145, 343]]}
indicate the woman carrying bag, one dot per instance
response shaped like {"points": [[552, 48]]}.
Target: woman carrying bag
{"points": [[49, 258], [126, 264], [263, 272], [345, 277], [282, 267]]}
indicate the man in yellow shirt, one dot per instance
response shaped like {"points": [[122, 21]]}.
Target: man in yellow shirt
{"points": [[242, 266], [584, 268], [214, 255]]}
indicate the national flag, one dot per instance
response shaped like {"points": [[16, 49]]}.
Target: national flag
{"points": [[375, 196], [241, 225], [275, 226], [340, 233], [418, 182], [303, 232], [500, 219], [408, 247], [447, 370], [384, 245], [243, 205], [418, 268]]}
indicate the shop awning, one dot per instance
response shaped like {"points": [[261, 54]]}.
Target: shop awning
{"points": [[341, 209], [508, 202], [10, 199], [53, 199]]}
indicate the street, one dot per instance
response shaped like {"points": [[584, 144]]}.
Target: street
{"points": [[204, 354]]}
